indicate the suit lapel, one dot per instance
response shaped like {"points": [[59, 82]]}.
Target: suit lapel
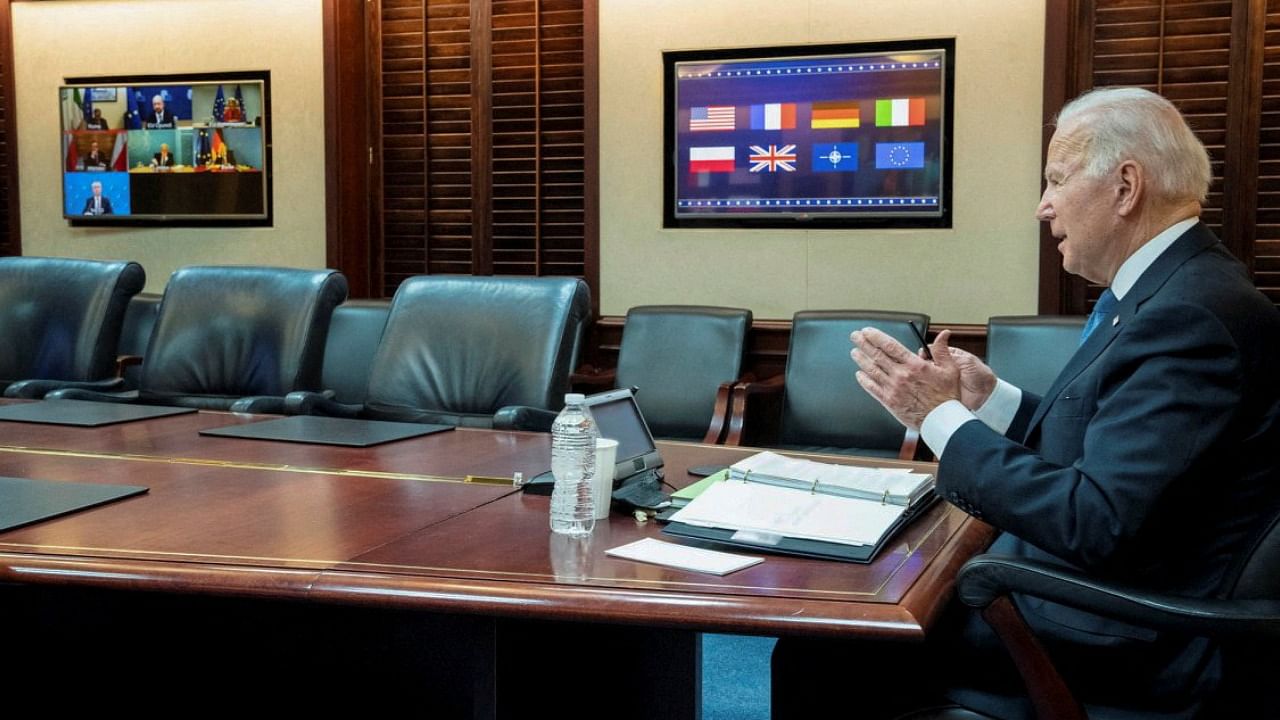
{"points": [[1189, 244]]}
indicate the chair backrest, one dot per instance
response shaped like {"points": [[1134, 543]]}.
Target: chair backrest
{"points": [[1260, 572], [1030, 350], [467, 346], [60, 317], [678, 356], [228, 332], [823, 404], [354, 333]]}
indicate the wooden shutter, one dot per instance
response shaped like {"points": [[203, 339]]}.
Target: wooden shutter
{"points": [[425, 82], [482, 137], [1266, 263]]}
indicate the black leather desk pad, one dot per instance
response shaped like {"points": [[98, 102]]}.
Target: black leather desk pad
{"points": [[85, 413], [24, 501], [319, 430]]}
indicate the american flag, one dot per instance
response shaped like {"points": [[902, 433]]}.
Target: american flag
{"points": [[716, 117], [773, 159]]}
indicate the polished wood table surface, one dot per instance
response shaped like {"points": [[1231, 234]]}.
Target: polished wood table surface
{"points": [[394, 526]]}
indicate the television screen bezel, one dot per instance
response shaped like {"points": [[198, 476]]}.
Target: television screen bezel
{"points": [[267, 219], [942, 220]]}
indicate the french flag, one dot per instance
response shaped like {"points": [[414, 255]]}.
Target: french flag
{"points": [[711, 159]]}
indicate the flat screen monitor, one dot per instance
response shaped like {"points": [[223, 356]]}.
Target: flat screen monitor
{"points": [[174, 149], [854, 135]]}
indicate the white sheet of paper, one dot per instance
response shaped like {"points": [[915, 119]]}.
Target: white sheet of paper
{"points": [[657, 552], [738, 505]]}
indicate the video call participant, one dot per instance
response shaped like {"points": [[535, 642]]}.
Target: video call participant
{"points": [[1151, 460], [97, 122], [159, 118], [97, 204], [162, 159], [94, 159], [232, 113]]}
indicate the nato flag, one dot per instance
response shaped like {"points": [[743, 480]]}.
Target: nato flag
{"points": [[835, 157]]}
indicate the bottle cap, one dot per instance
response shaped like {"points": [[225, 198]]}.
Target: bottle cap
{"points": [[574, 398]]}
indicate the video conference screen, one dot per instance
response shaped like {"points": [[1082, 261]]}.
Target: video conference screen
{"points": [[157, 150], [829, 136]]}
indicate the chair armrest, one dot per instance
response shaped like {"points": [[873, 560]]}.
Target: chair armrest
{"points": [[130, 396], [913, 449], [303, 402], [523, 417], [126, 361], [720, 414], [259, 404], [594, 378], [741, 395], [40, 388], [987, 577]]}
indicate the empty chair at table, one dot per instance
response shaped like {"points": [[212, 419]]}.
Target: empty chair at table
{"points": [[223, 334], [471, 352], [60, 320]]}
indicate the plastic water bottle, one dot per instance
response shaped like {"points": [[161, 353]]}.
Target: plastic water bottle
{"points": [[573, 464]]}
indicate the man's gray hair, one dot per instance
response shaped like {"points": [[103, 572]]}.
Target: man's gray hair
{"points": [[1117, 124]]}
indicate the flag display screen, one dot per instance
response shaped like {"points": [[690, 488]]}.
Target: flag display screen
{"points": [[810, 136], [166, 149]]}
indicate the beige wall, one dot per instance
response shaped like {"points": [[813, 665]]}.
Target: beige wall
{"points": [[985, 265], [175, 36]]}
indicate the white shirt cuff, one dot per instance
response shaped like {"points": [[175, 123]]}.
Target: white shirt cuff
{"points": [[1000, 408], [942, 422]]}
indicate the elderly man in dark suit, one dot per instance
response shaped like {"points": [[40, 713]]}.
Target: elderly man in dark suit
{"points": [[1152, 456]]}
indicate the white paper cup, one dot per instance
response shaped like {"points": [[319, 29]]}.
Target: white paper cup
{"points": [[602, 491]]}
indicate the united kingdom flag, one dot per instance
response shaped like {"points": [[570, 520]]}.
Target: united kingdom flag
{"points": [[773, 159]]}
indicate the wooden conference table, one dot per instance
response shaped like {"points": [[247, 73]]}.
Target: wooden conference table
{"points": [[380, 561]]}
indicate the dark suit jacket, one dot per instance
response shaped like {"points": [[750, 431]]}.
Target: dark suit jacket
{"points": [[100, 161], [168, 161], [88, 206], [1151, 458], [150, 121], [96, 124]]}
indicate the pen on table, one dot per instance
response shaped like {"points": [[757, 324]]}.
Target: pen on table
{"points": [[923, 343]]}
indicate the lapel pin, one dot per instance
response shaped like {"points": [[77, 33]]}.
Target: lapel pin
{"points": [[1115, 321]]}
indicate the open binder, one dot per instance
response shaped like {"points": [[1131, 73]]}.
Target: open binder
{"points": [[801, 507]]}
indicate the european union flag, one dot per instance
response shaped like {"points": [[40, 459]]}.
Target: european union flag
{"points": [[219, 105], [899, 155], [835, 157]]}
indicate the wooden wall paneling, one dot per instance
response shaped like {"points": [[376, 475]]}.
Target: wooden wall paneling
{"points": [[10, 225], [481, 138], [1266, 261], [347, 142], [1239, 198]]}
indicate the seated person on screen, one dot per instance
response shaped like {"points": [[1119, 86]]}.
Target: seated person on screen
{"points": [[159, 118], [224, 158], [1151, 459], [95, 159], [97, 122], [232, 112], [162, 159], [97, 204]]}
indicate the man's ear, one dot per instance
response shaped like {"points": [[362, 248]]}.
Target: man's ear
{"points": [[1131, 186]]}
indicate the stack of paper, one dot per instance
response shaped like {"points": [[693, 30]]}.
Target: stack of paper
{"points": [[897, 486]]}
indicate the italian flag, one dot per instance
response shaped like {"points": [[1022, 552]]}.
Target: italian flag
{"points": [[899, 112]]}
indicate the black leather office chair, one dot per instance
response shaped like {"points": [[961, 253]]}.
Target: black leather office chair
{"points": [[472, 352], [1245, 622], [60, 321], [823, 409], [139, 321], [1030, 350], [684, 360], [354, 334], [227, 333]]}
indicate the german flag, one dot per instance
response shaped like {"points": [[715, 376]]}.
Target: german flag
{"points": [[835, 114]]}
